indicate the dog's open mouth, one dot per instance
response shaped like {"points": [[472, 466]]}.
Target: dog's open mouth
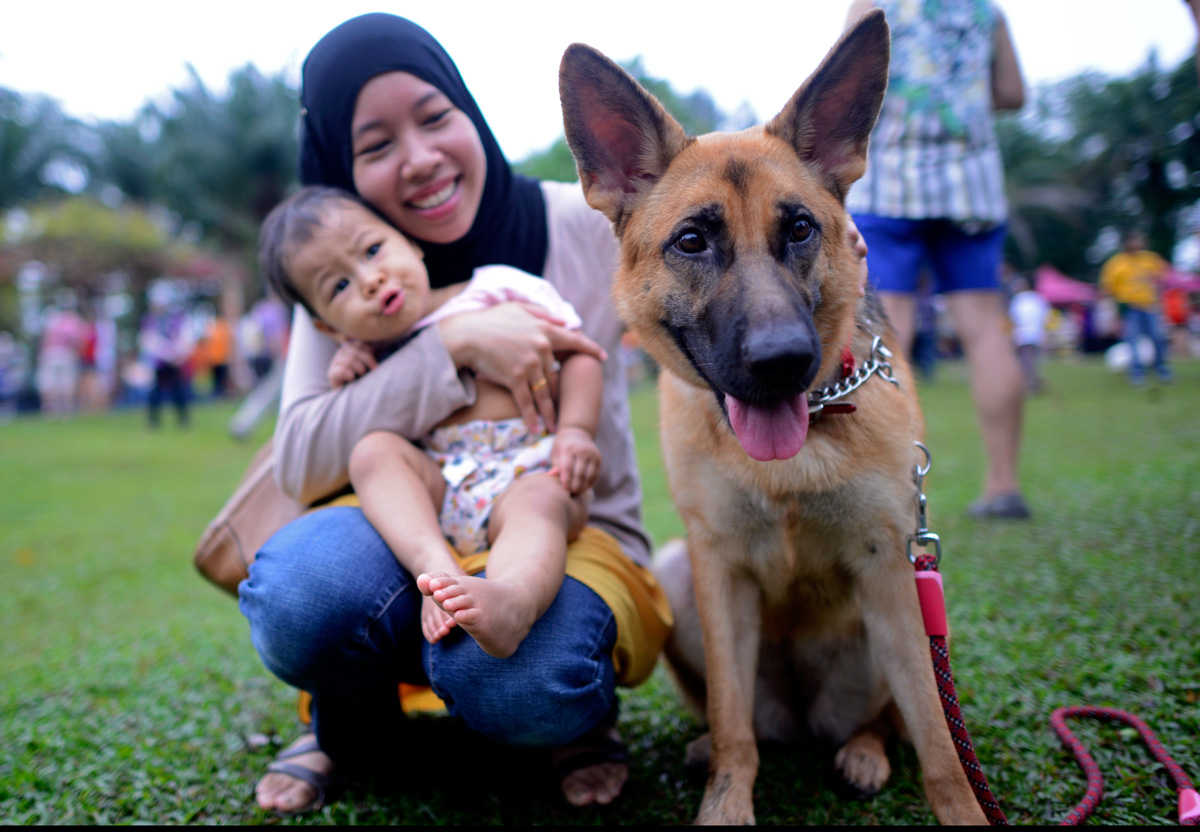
{"points": [[770, 431]]}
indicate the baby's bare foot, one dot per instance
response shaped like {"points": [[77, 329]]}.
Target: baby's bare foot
{"points": [[435, 623], [497, 614]]}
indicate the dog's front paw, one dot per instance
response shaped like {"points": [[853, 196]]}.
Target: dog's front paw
{"points": [[863, 766], [725, 805]]}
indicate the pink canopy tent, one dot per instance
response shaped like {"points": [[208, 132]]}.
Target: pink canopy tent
{"points": [[1187, 281], [1061, 290]]}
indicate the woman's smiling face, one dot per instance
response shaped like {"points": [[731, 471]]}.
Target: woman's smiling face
{"points": [[417, 158]]}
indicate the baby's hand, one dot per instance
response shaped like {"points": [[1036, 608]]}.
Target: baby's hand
{"points": [[353, 359], [435, 623], [575, 459]]}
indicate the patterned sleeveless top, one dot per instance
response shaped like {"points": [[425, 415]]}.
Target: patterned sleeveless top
{"points": [[933, 153]]}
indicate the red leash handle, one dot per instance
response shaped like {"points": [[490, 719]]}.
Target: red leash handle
{"points": [[1189, 800]]}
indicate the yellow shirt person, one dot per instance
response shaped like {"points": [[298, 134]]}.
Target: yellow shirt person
{"points": [[1132, 276]]}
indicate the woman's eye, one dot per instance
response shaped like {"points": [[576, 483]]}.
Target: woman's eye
{"points": [[373, 148], [801, 230], [691, 242], [438, 116]]}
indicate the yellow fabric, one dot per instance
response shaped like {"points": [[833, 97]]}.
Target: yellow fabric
{"points": [[631, 591], [1132, 278]]}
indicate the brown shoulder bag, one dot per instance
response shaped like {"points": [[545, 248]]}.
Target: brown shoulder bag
{"points": [[256, 511]]}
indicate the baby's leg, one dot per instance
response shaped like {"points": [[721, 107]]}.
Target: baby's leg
{"points": [[525, 567], [401, 490]]}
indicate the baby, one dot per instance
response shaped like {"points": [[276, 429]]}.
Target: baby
{"points": [[481, 478]]}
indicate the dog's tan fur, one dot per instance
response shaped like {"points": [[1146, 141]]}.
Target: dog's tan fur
{"points": [[795, 572]]}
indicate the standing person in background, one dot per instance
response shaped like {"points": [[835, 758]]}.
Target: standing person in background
{"points": [[215, 351], [933, 193], [1132, 277], [925, 340], [60, 358], [167, 344], [270, 315], [1029, 312]]}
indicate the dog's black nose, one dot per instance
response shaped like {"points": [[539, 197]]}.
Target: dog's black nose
{"points": [[785, 354]]}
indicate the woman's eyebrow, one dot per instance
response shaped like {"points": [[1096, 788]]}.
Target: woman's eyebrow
{"points": [[371, 125]]}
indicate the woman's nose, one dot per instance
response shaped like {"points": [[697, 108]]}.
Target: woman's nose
{"points": [[422, 159]]}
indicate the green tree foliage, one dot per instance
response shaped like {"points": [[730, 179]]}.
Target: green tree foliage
{"points": [[38, 145], [219, 161], [697, 113], [83, 242], [1094, 155]]}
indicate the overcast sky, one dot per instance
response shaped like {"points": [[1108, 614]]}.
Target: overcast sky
{"points": [[105, 59]]}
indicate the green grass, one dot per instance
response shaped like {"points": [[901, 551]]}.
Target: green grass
{"points": [[129, 691]]}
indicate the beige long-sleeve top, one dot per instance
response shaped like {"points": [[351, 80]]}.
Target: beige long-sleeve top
{"points": [[419, 385]]}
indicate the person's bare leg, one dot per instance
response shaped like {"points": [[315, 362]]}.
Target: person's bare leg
{"points": [[279, 792], [901, 310], [525, 569], [996, 384], [401, 490]]}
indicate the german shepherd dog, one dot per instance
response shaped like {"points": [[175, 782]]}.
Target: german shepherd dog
{"points": [[796, 608]]}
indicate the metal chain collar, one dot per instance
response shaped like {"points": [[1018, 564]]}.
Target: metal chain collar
{"points": [[877, 363]]}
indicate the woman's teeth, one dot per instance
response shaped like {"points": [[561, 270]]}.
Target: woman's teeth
{"points": [[436, 199]]}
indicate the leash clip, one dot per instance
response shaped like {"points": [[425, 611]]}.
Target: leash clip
{"points": [[922, 536]]}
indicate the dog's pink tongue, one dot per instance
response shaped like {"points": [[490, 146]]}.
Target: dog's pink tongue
{"points": [[770, 432]]}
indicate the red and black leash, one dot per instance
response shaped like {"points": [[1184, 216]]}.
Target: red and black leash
{"points": [[933, 610]]}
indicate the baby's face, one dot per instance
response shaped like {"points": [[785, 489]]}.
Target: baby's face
{"points": [[363, 278]]}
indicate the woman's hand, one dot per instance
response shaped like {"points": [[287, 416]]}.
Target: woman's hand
{"points": [[353, 359], [513, 345]]}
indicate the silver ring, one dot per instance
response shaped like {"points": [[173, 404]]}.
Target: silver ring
{"points": [[555, 366]]}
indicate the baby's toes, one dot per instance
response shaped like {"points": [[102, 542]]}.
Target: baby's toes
{"points": [[424, 581]]}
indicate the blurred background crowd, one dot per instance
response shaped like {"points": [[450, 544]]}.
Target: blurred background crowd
{"points": [[126, 247]]}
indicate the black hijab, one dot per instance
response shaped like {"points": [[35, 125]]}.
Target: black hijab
{"points": [[510, 227]]}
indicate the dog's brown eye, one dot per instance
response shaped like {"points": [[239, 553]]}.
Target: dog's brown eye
{"points": [[691, 242], [801, 231]]}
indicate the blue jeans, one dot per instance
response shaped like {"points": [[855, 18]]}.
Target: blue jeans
{"points": [[1139, 322], [332, 612]]}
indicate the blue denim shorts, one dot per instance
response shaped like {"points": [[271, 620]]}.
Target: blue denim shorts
{"points": [[959, 261]]}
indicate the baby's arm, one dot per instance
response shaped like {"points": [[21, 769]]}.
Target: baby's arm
{"points": [[575, 456], [353, 359]]}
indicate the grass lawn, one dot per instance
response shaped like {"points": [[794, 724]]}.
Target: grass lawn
{"points": [[129, 691]]}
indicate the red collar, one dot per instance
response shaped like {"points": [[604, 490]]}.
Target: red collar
{"points": [[834, 408]]}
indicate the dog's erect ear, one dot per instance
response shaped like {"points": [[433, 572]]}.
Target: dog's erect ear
{"points": [[829, 119], [622, 138]]}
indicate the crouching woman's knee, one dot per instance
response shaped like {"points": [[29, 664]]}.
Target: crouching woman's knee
{"points": [[313, 591], [557, 686]]}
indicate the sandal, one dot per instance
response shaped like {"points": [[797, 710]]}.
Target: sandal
{"points": [[324, 784]]}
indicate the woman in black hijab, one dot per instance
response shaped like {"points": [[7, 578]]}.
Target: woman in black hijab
{"points": [[386, 115]]}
